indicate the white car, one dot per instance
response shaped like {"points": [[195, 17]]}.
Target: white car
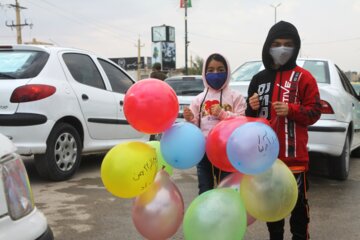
{"points": [[59, 103], [19, 217], [337, 133], [186, 88]]}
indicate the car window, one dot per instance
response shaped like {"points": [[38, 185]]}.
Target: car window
{"points": [[119, 81], [246, 71], [21, 64], [319, 69], [356, 87], [345, 82], [186, 86], [83, 69]]}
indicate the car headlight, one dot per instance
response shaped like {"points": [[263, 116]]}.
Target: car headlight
{"points": [[17, 188]]}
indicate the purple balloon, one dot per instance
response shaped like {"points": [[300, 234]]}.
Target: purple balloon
{"points": [[234, 181], [159, 211]]}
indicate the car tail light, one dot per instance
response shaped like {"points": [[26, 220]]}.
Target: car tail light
{"points": [[31, 92], [17, 188], [326, 107]]}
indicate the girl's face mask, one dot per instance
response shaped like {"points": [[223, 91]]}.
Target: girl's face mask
{"points": [[216, 79]]}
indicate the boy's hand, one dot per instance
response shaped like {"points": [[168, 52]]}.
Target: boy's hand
{"points": [[188, 115], [215, 110], [254, 101], [281, 108]]}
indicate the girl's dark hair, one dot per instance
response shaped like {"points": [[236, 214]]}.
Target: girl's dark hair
{"points": [[216, 57]]}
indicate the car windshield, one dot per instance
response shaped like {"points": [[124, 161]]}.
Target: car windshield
{"points": [[186, 86], [21, 64], [246, 71], [319, 69]]}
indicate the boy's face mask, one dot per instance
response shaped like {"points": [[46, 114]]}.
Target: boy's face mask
{"points": [[281, 55], [216, 80]]}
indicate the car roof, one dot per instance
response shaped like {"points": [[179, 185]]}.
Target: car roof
{"points": [[38, 47], [183, 77]]}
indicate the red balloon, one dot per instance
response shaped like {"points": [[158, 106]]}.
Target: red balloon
{"points": [[217, 139], [151, 106]]}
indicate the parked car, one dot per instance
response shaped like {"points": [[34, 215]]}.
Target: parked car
{"points": [[19, 217], [186, 88], [59, 103], [337, 133]]}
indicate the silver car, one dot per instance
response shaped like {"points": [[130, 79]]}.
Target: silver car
{"points": [[337, 133], [186, 88]]}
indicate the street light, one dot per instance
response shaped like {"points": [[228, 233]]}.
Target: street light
{"points": [[275, 7]]}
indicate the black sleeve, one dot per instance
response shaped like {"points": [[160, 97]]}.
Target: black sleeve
{"points": [[253, 86]]}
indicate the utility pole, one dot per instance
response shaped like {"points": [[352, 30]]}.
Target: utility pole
{"points": [[275, 7], [186, 38], [18, 24], [139, 46]]}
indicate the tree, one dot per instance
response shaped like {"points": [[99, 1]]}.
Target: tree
{"points": [[197, 66]]}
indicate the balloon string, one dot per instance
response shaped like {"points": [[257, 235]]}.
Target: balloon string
{"points": [[216, 179]]}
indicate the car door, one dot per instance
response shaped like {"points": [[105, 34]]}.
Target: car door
{"points": [[120, 82], [97, 104], [355, 104]]}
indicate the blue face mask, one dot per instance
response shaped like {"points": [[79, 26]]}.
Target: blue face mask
{"points": [[216, 80]]}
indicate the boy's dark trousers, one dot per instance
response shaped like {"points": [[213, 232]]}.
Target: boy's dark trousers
{"points": [[208, 175], [299, 219]]}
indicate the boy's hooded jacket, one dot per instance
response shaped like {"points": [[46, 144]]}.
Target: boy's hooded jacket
{"points": [[293, 85], [232, 102]]}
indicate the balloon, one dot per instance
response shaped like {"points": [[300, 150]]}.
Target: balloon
{"points": [[218, 137], [158, 212], [252, 148], [233, 181], [215, 214], [272, 195], [128, 169], [183, 145], [151, 106], [162, 164]]}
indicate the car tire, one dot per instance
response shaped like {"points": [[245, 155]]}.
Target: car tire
{"points": [[63, 154], [339, 166]]}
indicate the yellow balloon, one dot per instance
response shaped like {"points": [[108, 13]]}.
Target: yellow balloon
{"points": [[128, 169], [272, 195]]}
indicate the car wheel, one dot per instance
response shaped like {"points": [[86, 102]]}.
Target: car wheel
{"points": [[339, 166], [63, 154]]}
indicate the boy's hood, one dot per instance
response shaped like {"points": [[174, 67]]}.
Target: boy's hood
{"points": [[281, 29]]}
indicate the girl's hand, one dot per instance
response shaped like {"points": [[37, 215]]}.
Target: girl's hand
{"points": [[215, 110], [188, 115]]}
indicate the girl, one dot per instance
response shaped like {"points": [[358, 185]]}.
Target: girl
{"points": [[217, 102]]}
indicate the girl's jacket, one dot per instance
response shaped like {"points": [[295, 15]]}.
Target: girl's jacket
{"points": [[232, 103], [293, 85]]}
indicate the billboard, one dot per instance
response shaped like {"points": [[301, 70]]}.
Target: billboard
{"points": [[164, 53]]}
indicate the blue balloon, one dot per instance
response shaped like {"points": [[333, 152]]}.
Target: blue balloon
{"points": [[182, 145], [252, 148]]}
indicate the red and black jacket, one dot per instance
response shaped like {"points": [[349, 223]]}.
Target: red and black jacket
{"points": [[293, 85]]}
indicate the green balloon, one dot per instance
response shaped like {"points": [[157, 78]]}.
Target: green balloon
{"points": [[161, 162], [216, 214]]}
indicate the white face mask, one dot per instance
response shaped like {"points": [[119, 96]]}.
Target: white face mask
{"points": [[281, 54]]}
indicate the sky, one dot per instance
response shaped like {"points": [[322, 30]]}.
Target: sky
{"points": [[237, 29]]}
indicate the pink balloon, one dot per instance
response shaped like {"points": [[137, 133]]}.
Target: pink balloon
{"points": [[159, 211], [151, 106], [233, 181]]}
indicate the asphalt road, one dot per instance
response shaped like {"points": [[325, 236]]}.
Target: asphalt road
{"points": [[81, 208]]}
